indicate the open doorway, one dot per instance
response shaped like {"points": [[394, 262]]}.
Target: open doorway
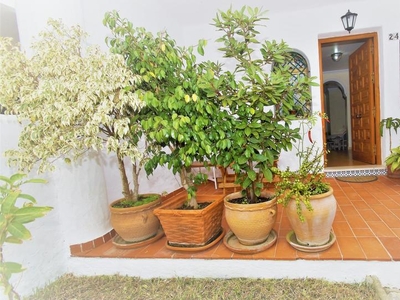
{"points": [[350, 90]]}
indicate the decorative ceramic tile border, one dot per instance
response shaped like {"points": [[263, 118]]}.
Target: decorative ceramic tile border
{"points": [[79, 248], [359, 172]]}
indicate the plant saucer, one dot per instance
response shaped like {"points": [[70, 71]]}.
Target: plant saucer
{"points": [[233, 244], [292, 240], [214, 241], [122, 244]]}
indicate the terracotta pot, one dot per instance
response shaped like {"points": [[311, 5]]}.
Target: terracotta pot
{"points": [[251, 223], [395, 174], [316, 229], [135, 224], [191, 228]]}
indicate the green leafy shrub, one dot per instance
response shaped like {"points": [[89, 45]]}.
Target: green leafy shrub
{"points": [[13, 216]]}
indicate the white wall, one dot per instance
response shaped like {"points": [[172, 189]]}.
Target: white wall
{"points": [[186, 21]]}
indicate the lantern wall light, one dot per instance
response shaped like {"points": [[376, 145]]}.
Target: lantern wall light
{"points": [[349, 20]]}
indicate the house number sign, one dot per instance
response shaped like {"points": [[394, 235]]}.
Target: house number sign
{"points": [[393, 36]]}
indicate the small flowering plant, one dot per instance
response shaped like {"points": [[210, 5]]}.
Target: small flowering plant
{"points": [[309, 179]]}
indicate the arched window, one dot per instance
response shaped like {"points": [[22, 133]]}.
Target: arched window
{"points": [[298, 67]]}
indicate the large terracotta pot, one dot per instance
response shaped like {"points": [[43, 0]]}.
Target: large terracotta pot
{"points": [[393, 175], [135, 224], [251, 223], [191, 228], [316, 229]]}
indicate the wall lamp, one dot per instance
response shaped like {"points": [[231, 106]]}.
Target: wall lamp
{"points": [[349, 20]]}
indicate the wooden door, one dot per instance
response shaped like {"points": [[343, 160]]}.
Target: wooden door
{"points": [[362, 103]]}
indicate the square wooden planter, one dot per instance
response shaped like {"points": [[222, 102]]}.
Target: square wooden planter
{"points": [[191, 228]]}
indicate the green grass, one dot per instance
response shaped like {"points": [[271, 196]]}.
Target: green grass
{"points": [[124, 287]]}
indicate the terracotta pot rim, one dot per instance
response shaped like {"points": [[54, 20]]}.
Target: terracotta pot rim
{"points": [[250, 206], [135, 208], [175, 203], [319, 196]]}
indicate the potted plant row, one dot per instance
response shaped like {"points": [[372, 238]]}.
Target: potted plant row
{"points": [[152, 104]]}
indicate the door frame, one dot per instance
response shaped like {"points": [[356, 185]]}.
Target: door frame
{"points": [[357, 37]]}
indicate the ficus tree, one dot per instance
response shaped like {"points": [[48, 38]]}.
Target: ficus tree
{"points": [[258, 92], [70, 99], [178, 115]]}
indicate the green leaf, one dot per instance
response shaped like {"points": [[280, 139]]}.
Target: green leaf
{"points": [[27, 197], [11, 267], [13, 240], [29, 214], [17, 177], [252, 175], [36, 180], [9, 201], [19, 231]]}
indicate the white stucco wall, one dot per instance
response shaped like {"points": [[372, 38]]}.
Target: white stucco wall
{"points": [[80, 193]]}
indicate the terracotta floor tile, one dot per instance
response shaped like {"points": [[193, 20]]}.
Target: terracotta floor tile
{"points": [[284, 251], [396, 231], [332, 253], [360, 205], [363, 232], [269, 253], [349, 210], [353, 195], [373, 248], [369, 215], [396, 212], [100, 251], [390, 220], [379, 208], [380, 229], [350, 248], [221, 252], [339, 217], [390, 204], [307, 255], [152, 249], [343, 201], [392, 245], [356, 221], [342, 229]]}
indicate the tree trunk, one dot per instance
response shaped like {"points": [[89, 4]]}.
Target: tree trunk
{"points": [[251, 196], [187, 184], [125, 183], [135, 177]]}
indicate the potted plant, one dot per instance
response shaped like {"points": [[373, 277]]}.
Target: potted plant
{"points": [[258, 103], [70, 100], [13, 216], [393, 160], [179, 118], [308, 199]]}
